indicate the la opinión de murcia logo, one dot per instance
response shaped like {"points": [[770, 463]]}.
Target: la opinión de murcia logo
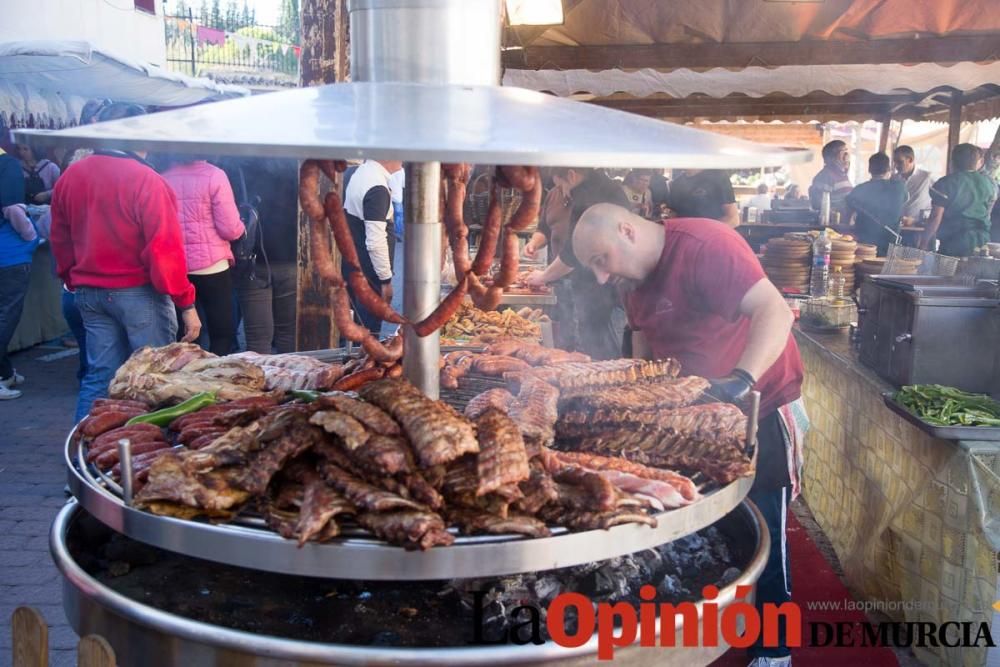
{"points": [[738, 624]]}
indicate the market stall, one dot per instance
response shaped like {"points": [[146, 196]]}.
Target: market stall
{"points": [[423, 492]]}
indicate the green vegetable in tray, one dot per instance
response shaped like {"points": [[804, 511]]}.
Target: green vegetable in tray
{"points": [[167, 415], [947, 406], [307, 395]]}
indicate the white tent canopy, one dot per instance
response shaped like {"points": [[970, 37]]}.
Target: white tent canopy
{"points": [[69, 69], [792, 80]]}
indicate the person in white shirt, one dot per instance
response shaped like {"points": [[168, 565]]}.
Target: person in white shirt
{"points": [[369, 210], [918, 182], [762, 200]]}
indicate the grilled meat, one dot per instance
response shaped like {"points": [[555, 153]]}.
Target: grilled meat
{"points": [[374, 418], [320, 505], [351, 432], [587, 520], [535, 410], [172, 480], [437, 433], [583, 376], [412, 529], [364, 495], [502, 458], [539, 490], [595, 492], [473, 522], [682, 484], [720, 462], [498, 398], [495, 366], [714, 421], [286, 372], [658, 395], [298, 438]]}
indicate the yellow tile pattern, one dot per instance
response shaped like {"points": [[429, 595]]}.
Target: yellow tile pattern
{"points": [[895, 504]]}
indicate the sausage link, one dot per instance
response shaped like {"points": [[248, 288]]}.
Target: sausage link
{"points": [[519, 178], [457, 176], [98, 424], [527, 211], [395, 371], [193, 433], [139, 463], [444, 310], [359, 379], [120, 402], [490, 299], [332, 167], [110, 457], [509, 261], [204, 440], [129, 410], [95, 451], [309, 190], [490, 235], [117, 434]]}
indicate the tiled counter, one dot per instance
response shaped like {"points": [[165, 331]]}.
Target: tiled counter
{"points": [[900, 507]]}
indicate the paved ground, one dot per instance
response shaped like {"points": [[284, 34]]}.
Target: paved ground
{"points": [[32, 476]]}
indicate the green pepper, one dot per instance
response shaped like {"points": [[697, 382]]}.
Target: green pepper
{"points": [[306, 395], [167, 415]]}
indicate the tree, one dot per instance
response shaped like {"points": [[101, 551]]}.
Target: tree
{"points": [[245, 18], [203, 13], [288, 21], [215, 20], [181, 8], [232, 15]]}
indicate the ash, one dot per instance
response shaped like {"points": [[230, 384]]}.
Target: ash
{"points": [[679, 570]]}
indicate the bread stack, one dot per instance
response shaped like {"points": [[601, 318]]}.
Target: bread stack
{"points": [[843, 255], [786, 262], [868, 267]]}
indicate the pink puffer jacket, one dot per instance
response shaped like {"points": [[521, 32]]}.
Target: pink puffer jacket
{"points": [[207, 211]]}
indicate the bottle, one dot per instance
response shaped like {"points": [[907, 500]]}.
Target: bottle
{"points": [[837, 283], [822, 247], [824, 210]]}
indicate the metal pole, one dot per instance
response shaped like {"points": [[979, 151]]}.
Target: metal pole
{"points": [[194, 69], [422, 271]]}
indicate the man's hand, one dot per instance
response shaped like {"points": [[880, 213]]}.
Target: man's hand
{"points": [[536, 279], [387, 292], [733, 388], [192, 325], [530, 250]]}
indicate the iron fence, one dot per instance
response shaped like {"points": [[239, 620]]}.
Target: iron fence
{"points": [[200, 50]]}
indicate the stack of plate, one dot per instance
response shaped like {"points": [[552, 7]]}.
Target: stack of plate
{"points": [[843, 255], [868, 267], [786, 262]]}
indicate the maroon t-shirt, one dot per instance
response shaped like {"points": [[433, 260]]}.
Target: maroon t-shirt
{"points": [[688, 308]]}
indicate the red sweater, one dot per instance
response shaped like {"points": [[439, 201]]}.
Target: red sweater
{"points": [[114, 225]]}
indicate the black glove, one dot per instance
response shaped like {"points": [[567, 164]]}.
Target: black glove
{"points": [[734, 388]]}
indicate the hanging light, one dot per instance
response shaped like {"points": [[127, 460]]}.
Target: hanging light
{"points": [[535, 12]]}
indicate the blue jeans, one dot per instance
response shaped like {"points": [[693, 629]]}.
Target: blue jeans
{"points": [[775, 583], [72, 316], [13, 286], [118, 322]]}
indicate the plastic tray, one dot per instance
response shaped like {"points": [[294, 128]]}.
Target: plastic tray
{"points": [[944, 432]]}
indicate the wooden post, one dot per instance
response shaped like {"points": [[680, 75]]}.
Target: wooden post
{"points": [[954, 124], [95, 651], [30, 638], [324, 60], [883, 140]]}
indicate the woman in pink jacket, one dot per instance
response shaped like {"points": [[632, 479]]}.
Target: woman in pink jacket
{"points": [[210, 219]]}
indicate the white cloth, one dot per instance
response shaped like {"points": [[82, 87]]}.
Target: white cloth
{"points": [[918, 190], [761, 201], [371, 174]]}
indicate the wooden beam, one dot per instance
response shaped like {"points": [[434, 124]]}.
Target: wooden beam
{"points": [[975, 48], [324, 60], [883, 138], [817, 105], [954, 125]]}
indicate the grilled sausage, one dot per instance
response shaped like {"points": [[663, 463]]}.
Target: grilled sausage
{"points": [[490, 235], [444, 310], [359, 379], [95, 425]]}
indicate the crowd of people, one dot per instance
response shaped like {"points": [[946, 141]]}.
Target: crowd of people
{"points": [[956, 210], [148, 248]]}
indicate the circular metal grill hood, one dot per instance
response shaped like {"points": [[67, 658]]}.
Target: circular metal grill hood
{"points": [[424, 122]]}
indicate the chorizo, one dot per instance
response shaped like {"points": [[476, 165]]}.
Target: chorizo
{"points": [[359, 379], [139, 463], [527, 211], [205, 440], [331, 168], [309, 190], [490, 299], [444, 310], [195, 432], [509, 261], [489, 236], [320, 255], [94, 452], [120, 402], [117, 434], [102, 423], [108, 458], [454, 217], [449, 378], [127, 409], [496, 366], [395, 371]]}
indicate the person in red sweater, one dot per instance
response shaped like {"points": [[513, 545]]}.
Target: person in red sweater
{"points": [[117, 242]]}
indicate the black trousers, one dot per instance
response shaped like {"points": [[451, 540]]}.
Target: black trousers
{"points": [[771, 493], [214, 297], [362, 315], [267, 303], [13, 287]]}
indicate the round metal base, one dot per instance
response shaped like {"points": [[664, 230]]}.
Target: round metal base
{"points": [[144, 635], [359, 556]]}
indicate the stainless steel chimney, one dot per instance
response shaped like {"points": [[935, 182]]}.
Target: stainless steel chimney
{"points": [[454, 42]]}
